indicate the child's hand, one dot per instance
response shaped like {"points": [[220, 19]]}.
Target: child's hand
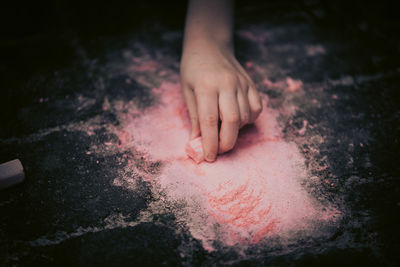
{"points": [[216, 87]]}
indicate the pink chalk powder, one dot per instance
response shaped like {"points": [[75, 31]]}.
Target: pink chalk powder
{"points": [[289, 85], [313, 50], [293, 85], [247, 195], [256, 35], [143, 65]]}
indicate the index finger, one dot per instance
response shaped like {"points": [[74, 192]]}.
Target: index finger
{"points": [[207, 105]]}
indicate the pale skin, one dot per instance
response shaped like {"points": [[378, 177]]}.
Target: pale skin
{"points": [[216, 87]]}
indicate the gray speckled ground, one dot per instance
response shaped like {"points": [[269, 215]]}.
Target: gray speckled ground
{"points": [[59, 118]]}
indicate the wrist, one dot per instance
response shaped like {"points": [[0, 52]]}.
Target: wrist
{"points": [[203, 46], [209, 24]]}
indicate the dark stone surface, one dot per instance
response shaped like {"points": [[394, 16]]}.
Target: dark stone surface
{"points": [[63, 63]]}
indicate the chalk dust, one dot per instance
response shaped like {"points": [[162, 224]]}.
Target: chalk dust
{"points": [[248, 195]]}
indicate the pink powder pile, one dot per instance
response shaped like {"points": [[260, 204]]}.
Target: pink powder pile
{"points": [[249, 194]]}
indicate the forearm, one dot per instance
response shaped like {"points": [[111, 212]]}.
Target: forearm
{"points": [[209, 22]]}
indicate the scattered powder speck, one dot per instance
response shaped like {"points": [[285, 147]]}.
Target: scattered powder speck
{"points": [[256, 35], [273, 85], [290, 85], [293, 85], [303, 129], [313, 50], [141, 65], [249, 194]]}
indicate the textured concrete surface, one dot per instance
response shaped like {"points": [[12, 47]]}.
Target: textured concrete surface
{"points": [[63, 90]]}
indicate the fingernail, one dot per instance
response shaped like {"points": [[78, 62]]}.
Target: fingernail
{"points": [[210, 157]]}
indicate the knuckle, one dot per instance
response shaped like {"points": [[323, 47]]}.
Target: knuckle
{"points": [[245, 118], [229, 79], [228, 76], [211, 120], [232, 118], [194, 119], [252, 86], [257, 108], [243, 83], [227, 146], [206, 82]]}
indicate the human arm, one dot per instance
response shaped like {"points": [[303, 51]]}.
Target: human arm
{"points": [[215, 85]]}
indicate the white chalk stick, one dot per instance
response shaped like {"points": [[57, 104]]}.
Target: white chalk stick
{"points": [[11, 173], [194, 149]]}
